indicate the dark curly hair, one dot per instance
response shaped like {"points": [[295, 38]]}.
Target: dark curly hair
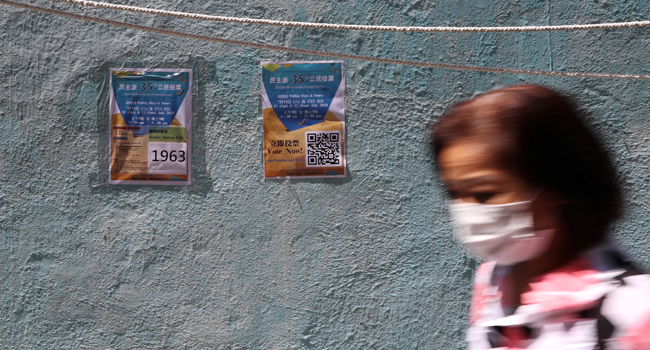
{"points": [[537, 133]]}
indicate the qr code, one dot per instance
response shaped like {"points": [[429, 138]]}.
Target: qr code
{"points": [[323, 148]]}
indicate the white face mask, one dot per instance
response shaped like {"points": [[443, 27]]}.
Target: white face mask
{"points": [[503, 233]]}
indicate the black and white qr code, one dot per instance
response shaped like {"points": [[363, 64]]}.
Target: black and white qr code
{"points": [[323, 148]]}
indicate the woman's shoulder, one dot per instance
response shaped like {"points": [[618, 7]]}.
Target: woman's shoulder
{"points": [[484, 272], [482, 282], [625, 311], [623, 314]]}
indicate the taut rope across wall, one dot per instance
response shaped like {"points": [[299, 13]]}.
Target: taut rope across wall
{"points": [[357, 26], [324, 53]]}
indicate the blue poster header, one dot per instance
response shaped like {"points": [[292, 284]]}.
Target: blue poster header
{"points": [[149, 98], [301, 94]]}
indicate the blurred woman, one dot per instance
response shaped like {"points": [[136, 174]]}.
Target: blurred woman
{"points": [[533, 194]]}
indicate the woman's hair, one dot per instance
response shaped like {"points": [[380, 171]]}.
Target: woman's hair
{"points": [[536, 133]]}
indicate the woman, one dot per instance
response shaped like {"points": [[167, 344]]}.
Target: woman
{"points": [[533, 194]]}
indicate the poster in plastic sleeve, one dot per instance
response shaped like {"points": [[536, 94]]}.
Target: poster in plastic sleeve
{"points": [[303, 110], [151, 126]]}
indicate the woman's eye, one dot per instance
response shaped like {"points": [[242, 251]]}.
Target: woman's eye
{"points": [[483, 197]]}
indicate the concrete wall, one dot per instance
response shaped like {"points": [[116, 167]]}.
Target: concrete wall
{"points": [[233, 262]]}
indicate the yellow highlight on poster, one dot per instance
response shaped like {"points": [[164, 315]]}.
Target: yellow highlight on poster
{"points": [[303, 110]]}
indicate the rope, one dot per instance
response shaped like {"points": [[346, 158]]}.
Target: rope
{"points": [[321, 53], [358, 27]]}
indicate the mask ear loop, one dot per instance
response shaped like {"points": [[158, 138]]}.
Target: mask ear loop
{"points": [[556, 216]]}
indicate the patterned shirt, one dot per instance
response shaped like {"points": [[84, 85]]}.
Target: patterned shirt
{"points": [[597, 301]]}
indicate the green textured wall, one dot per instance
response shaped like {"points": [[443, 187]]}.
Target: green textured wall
{"points": [[233, 262]]}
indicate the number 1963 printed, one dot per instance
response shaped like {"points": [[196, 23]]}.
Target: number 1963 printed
{"points": [[167, 158]]}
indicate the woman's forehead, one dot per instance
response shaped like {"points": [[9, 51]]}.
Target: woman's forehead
{"points": [[470, 162], [466, 154]]}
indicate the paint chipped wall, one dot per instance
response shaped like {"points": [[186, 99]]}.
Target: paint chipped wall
{"points": [[233, 262]]}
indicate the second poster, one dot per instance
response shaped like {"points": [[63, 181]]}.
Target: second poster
{"points": [[304, 119]]}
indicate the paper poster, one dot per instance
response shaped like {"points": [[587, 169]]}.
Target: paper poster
{"points": [[303, 107], [151, 126]]}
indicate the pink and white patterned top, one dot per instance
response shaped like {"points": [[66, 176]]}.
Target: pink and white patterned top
{"points": [[597, 301]]}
